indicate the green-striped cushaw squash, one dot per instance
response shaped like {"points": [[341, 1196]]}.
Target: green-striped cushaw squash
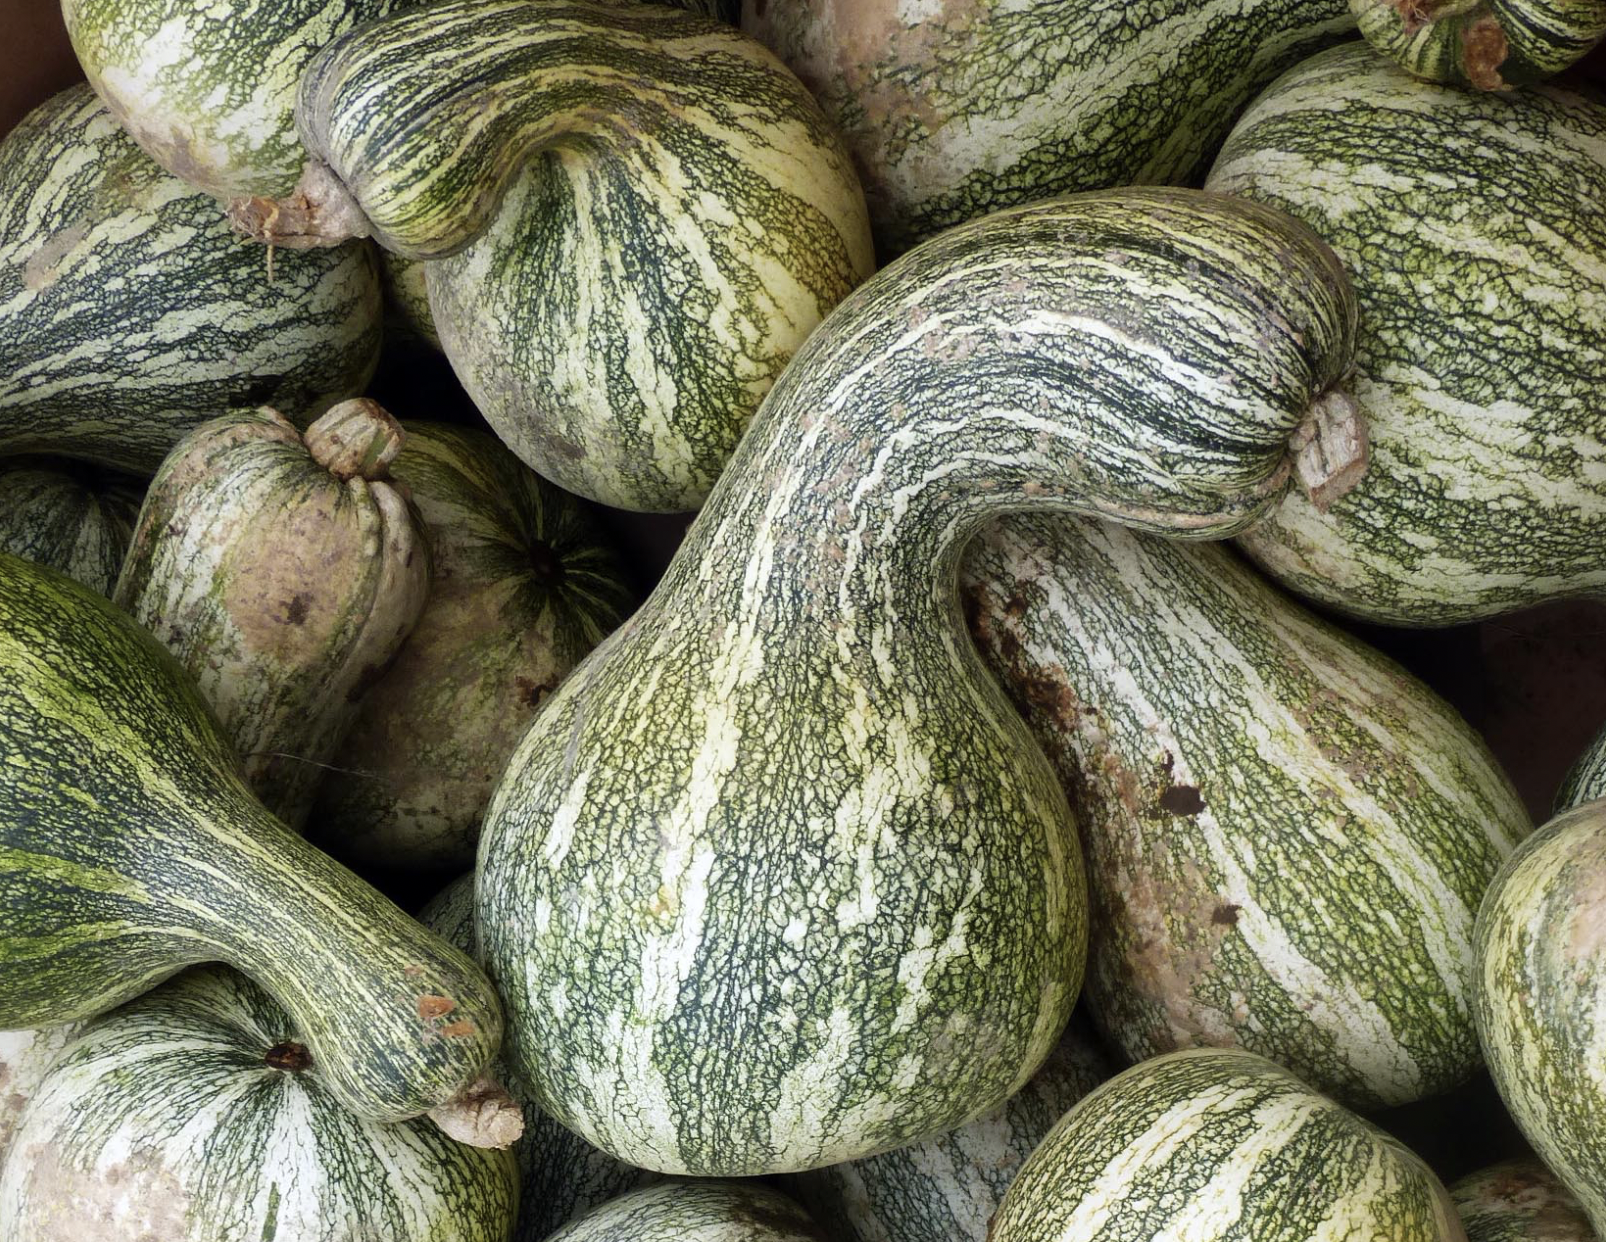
{"points": [[1541, 996], [702, 1211], [1471, 225], [946, 1189], [1519, 1201], [1586, 779], [778, 878], [1488, 44], [1287, 834], [561, 1176], [196, 1114], [129, 312], [1219, 1145], [954, 108], [633, 216], [284, 570], [130, 848], [71, 516], [524, 582]]}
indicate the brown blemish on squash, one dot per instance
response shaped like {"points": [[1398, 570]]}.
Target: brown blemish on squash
{"points": [[1181, 800], [461, 1029], [1483, 50], [44, 265], [139, 1199], [1226, 915], [289, 1056], [431, 1007], [295, 612]]}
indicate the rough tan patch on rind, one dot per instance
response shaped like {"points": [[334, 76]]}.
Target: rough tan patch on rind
{"points": [[138, 1199]]}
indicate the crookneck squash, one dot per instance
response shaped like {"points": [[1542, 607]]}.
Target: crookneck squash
{"points": [[821, 894], [1471, 224], [1287, 834], [284, 571], [1488, 44], [523, 584], [130, 848], [129, 312], [647, 214], [1216, 1145], [1541, 997], [197, 1114], [1519, 1201], [954, 108], [71, 516]]}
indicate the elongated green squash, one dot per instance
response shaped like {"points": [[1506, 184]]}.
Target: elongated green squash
{"points": [[954, 108], [1519, 1201], [659, 214], [130, 848], [67, 516], [696, 1212], [822, 894], [285, 572], [524, 583], [561, 1176], [947, 1188], [130, 313], [197, 1114], [1489, 44], [1213, 1145], [1287, 833], [1471, 225], [1541, 996]]}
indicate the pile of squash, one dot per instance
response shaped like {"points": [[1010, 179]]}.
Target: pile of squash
{"points": [[1070, 396]]}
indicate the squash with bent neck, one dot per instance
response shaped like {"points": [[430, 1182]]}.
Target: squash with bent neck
{"points": [[777, 878]]}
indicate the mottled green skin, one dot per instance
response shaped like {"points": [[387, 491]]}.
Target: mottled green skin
{"points": [[638, 215], [1212, 1145], [955, 108], [1287, 833], [1470, 223], [561, 1176], [129, 312], [130, 848], [524, 583], [696, 1212], [1586, 779], [1488, 44], [67, 516], [1541, 997], [778, 878], [946, 1189], [165, 1120], [1519, 1201]]}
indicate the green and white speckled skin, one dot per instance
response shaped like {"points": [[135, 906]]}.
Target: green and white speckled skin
{"points": [[168, 1119], [1586, 779], [25, 1057], [1470, 223], [129, 313], [778, 878], [954, 108], [1488, 44], [638, 215], [1541, 998], [1287, 833], [1519, 1201], [695, 1212], [946, 1189], [1212, 1145], [131, 848], [73, 518]]}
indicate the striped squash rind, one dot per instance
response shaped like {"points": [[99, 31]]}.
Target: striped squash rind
{"points": [[1586, 779], [955, 108], [1287, 834], [827, 897], [561, 1176], [283, 580], [131, 848], [524, 583], [71, 518], [130, 313], [1470, 223], [695, 1212], [1541, 997], [1214, 1145], [645, 214], [189, 1115], [1489, 44], [1519, 1201], [947, 1188]]}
